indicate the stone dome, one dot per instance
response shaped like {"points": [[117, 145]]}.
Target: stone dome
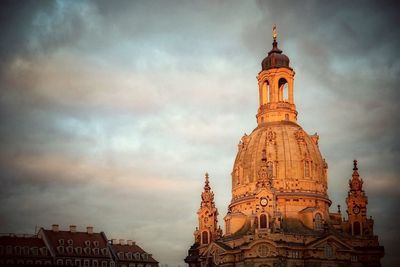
{"points": [[282, 156], [275, 59]]}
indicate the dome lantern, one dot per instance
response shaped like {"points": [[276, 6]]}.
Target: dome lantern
{"points": [[275, 83]]}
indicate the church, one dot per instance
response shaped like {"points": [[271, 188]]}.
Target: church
{"points": [[279, 213]]}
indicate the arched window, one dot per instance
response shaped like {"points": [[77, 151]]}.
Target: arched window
{"points": [[318, 222], [283, 90], [263, 221], [204, 237], [356, 228], [265, 93]]}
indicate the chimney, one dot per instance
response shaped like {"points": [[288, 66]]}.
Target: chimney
{"points": [[129, 242], [114, 241], [72, 228], [122, 241], [89, 229], [54, 227]]}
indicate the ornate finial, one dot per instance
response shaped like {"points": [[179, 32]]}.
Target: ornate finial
{"points": [[274, 32], [207, 183], [355, 168]]}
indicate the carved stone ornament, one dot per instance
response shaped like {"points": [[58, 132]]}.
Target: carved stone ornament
{"points": [[299, 135], [271, 136]]}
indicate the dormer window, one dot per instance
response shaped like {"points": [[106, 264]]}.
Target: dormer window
{"points": [[121, 255], [87, 243], [70, 242], [17, 250], [129, 255], [96, 251], [78, 250], [96, 243], [35, 251], [86, 250], [70, 249], [104, 251], [26, 250], [145, 256], [137, 256], [60, 249], [61, 242]]}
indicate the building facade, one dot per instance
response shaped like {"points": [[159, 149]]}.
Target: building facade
{"points": [[279, 213], [55, 247]]}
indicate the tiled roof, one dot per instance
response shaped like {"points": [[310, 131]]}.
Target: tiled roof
{"points": [[77, 243], [133, 249], [79, 239], [32, 241]]}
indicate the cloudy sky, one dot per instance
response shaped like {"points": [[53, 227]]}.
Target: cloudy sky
{"points": [[112, 111]]}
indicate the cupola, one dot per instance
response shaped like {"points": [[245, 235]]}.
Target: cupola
{"points": [[275, 58]]}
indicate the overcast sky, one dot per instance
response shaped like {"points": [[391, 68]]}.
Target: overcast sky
{"points": [[112, 111]]}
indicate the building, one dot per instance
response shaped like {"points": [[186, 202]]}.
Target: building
{"points": [[128, 254], [57, 247], [279, 213], [24, 250]]}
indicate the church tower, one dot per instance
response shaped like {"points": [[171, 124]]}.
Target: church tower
{"points": [[208, 229], [358, 223], [279, 211]]}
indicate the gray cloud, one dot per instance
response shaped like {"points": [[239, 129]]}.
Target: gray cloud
{"points": [[119, 109]]}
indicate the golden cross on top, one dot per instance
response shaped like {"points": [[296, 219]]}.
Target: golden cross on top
{"points": [[274, 32]]}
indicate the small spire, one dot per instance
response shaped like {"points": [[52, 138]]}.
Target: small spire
{"points": [[355, 168], [207, 183], [274, 32]]}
